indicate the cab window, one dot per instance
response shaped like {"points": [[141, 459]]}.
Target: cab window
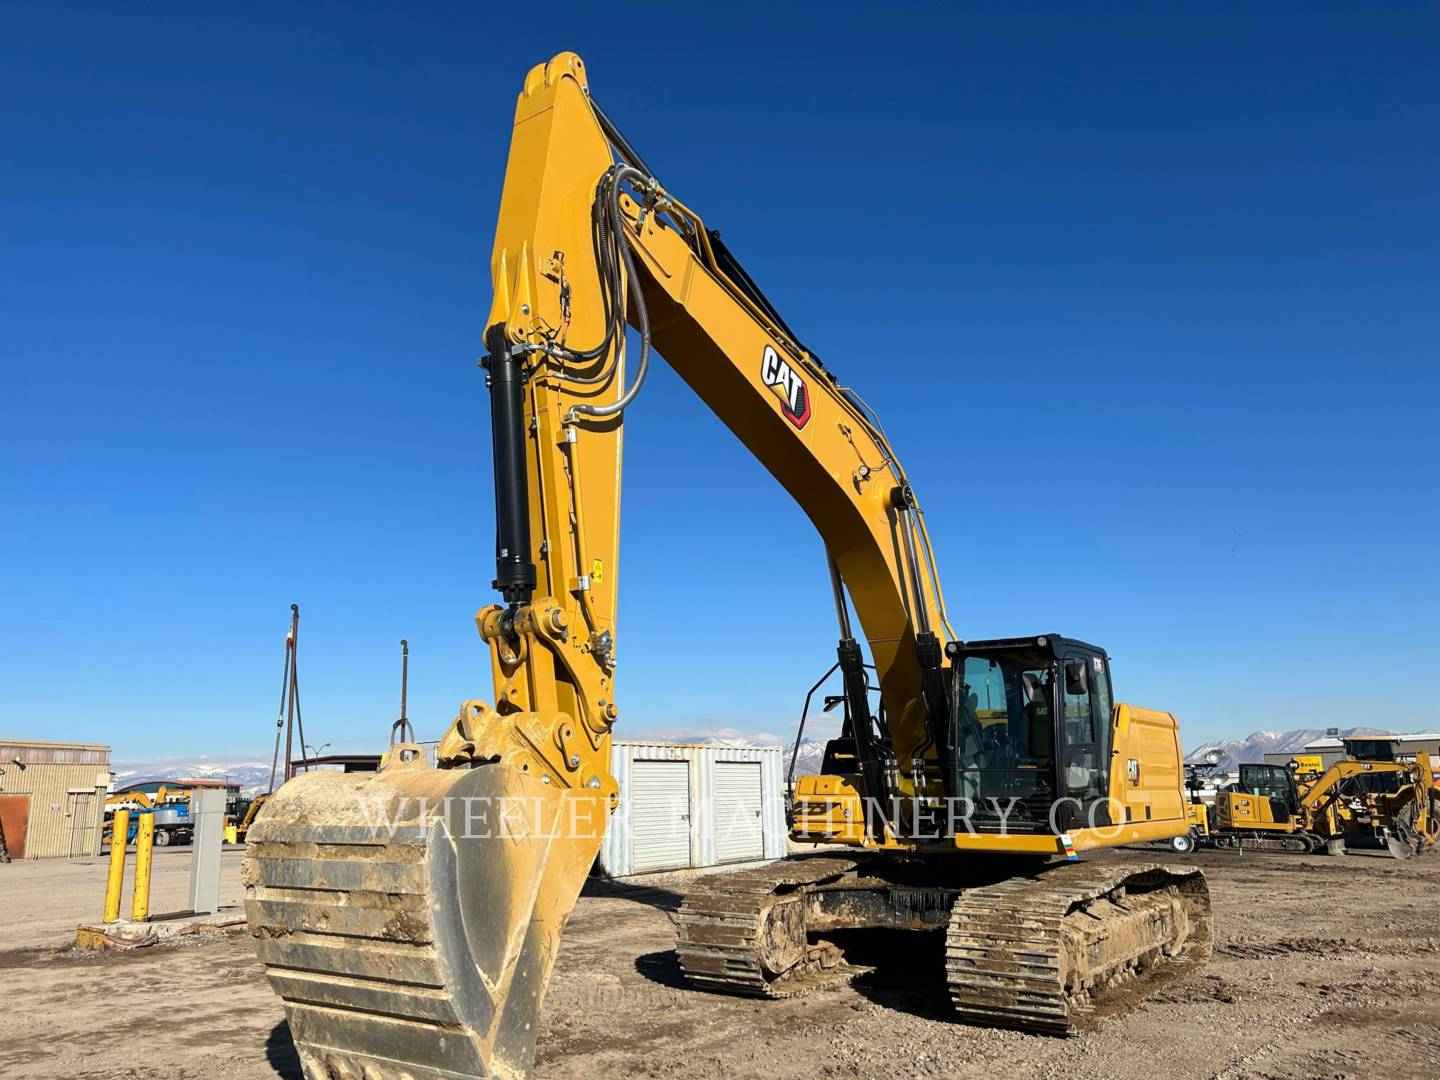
{"points": [[1267, 781], [1085, 728]]}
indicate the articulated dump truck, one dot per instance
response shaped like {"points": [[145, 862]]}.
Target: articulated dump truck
{"points": [[410, 919]]}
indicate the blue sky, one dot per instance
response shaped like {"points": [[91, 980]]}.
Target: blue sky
{"points": [[1146, 295]]}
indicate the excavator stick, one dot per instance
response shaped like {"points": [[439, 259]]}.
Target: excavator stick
{"points": [[409, 919]]}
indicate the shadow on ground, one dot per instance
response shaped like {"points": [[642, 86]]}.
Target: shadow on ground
{"points": [[656, 896], [663, 968], [906, 969], [280, 1053]]}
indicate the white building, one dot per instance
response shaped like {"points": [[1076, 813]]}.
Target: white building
{"points": [[685, 805]]}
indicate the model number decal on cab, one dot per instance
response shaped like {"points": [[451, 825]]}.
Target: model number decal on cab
{"points": [[794, 395]]}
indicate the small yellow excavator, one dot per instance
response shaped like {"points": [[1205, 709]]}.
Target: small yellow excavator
{"points": [[410, 919], [1294, 808]]}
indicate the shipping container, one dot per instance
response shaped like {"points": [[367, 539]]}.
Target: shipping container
{"points": [[693, 804], [52, 797]]}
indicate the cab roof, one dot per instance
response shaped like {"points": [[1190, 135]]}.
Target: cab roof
{"points": [[1051, 643]]}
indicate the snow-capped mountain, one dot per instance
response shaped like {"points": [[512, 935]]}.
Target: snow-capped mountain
{"points": [[1253, 747], [812, 751], [252, 776], [741, 742]]}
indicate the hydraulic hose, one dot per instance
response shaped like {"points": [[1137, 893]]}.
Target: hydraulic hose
{"points": [[609, 290], [642, 316]]}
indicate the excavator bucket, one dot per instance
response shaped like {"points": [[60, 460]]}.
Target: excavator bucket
{"points": [[1414, 824], [409, 918], [1400, 847]]}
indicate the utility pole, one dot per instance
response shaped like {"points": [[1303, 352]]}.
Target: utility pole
{"points": [[291, 642], [284, 698], [289, 713], [402, 728]]}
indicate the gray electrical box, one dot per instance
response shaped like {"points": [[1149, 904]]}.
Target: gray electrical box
{"points": [[207, 816]]}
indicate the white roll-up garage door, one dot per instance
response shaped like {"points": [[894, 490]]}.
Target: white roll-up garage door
{"points": [[659, 815], [739, 832]]}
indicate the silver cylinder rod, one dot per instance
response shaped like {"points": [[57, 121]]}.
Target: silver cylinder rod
{"points": [[922, 610], [842, 613]]}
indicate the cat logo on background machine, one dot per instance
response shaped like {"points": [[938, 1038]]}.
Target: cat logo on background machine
{"points": [[786, 382]]}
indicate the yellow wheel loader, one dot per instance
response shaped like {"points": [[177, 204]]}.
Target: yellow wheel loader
{"points": [[410, 919]]}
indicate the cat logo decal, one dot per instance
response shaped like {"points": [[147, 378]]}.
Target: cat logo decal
{"points": [[789, 387]]}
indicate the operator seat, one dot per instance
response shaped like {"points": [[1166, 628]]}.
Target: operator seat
{"points": [[1037, 708]]}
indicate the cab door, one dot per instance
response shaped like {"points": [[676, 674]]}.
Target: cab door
{"points": [[1084, 734]]}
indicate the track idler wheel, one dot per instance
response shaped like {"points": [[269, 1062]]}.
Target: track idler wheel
{"points": [[409, 919]]}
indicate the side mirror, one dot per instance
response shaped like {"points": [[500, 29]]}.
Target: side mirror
{"points": [[1077, 678]]}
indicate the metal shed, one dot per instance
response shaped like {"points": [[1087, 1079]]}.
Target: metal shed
{"points": [[693, 804], [52, 797]]}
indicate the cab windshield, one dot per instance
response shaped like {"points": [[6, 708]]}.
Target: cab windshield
{"points": [[1008, 762], [1005, 737]]}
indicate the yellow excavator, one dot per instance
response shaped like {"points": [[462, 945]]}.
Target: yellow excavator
{"points": [[410, 919], [1295, 808]]}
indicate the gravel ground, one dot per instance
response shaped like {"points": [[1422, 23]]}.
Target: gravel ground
{"points": [[1324, 968]]}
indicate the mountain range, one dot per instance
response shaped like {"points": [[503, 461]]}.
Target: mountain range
{"points": [[812, 752], [254, 776], [1253, 747]]}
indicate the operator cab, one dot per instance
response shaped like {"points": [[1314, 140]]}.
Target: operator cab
{"points": [[1376, 748], [1273, 782], [1369, 748], [1031, 728]]}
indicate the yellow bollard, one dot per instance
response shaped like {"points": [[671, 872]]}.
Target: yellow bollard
{"points": [[144, 849], [119, 831]]}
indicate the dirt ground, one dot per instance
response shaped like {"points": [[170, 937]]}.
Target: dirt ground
{"points": [[1324, 968], [41, 902]]}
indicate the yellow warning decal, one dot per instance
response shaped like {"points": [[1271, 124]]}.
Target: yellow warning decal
{"points": [[597, 571]]}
